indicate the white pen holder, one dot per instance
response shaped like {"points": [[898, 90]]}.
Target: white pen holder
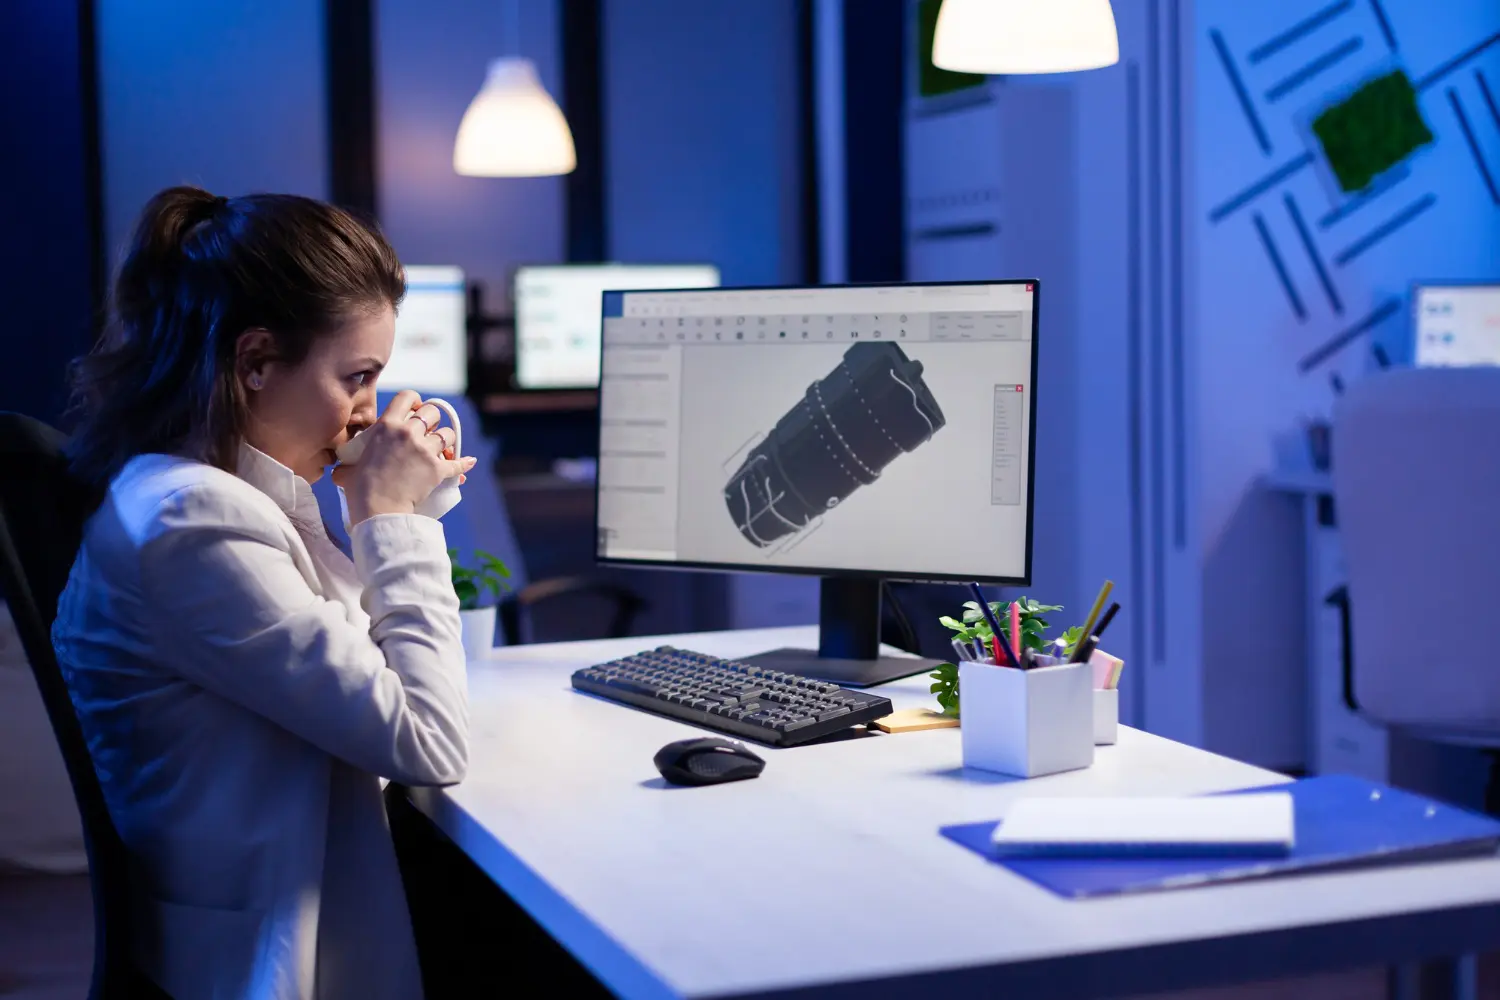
{"points": [[1106, 716], [1026, 723]]}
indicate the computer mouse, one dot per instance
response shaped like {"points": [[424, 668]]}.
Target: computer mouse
{"points": [[706, 761]]}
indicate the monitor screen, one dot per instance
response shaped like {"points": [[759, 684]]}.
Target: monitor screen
{"points": [[1457, 325], [882, 429], [557, 315], [430, 353]]}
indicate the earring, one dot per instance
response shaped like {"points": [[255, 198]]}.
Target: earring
{"points": [[255, 381]]}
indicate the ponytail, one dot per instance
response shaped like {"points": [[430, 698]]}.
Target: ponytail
{"points": [[200, 271]]}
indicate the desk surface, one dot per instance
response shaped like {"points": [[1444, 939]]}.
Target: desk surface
{"points": [[840, 876]]}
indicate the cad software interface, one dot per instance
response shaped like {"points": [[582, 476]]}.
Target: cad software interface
{"points": [[557, 315], [1458, 325], [879, 429]]}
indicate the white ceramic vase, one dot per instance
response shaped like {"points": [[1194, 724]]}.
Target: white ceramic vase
{"points": [[478, 632]]}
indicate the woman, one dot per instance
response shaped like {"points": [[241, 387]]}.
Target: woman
{"points": [[243, 685]]}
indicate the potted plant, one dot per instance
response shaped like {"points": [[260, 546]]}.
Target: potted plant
{"points": [[975, 626], [478, 588]]}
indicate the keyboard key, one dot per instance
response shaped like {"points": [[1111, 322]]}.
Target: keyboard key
{"points": [[740, 699]]}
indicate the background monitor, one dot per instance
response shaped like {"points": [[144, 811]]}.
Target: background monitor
{"points": [[557, 315], [1456, 325], [431, 349], [854, 432]]}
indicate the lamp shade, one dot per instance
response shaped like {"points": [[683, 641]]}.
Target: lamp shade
{"points": [[513, 127], [1024, 36]]}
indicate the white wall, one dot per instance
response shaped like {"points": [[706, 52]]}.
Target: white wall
{"points": [[1251, 329], [1088, 178], [430, 60], [227, 95]]}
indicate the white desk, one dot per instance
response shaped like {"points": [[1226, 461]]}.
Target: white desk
{"points": [[841, 876]]}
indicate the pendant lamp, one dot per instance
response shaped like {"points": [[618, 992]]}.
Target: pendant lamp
{"points": [[1024, 36], [513, 127]]}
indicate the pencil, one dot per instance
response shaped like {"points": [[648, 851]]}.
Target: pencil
{"points": [[1088, 624]]}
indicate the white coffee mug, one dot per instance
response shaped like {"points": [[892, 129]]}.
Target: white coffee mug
{"points": [[442, 499]]}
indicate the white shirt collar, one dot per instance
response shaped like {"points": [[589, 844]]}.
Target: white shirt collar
{"points": [[290, 491]]}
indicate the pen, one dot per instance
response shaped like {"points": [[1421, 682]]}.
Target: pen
{"points": [[1109, 616], [964, 651], [1085, 649], [999, 633], [1088, 623]]}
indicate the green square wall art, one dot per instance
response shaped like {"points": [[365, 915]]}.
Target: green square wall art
{"points": [[1375, 128]]}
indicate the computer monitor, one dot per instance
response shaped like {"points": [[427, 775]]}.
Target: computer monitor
{"points": [[431, 350], [557, 315], [855, 432], [1456, 325]]}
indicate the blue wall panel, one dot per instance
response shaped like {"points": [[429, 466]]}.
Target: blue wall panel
{"points": [[702, 143], [228, 95]]}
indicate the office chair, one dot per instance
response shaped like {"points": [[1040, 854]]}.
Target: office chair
{"points": [[481, 521], [1415, 487], [42, 513]]}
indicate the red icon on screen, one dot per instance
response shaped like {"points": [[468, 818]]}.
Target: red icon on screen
{"points": [[1028, 286]]}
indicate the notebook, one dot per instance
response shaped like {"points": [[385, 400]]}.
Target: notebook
{"points": [[1341, 822], [1257, 825]]}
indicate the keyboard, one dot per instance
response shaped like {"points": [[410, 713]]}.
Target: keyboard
{"points": [[763, 705]]}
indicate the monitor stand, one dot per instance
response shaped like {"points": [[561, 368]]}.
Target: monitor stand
{"points": [[848, 652]]}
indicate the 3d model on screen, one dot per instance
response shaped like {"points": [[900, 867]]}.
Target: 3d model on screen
{"points": [[849, 426]]}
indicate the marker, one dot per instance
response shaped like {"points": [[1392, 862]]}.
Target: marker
{"points": [[1015, 625], [999, 640], [1109, 616], [964, 651]]}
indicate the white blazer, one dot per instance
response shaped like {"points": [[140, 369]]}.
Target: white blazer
{"points": [[243, 686]]}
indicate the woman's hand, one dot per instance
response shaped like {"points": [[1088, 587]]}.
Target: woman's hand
{"points": [[405, 457]]}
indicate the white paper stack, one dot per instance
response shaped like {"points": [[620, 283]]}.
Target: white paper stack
{"points": [[1253, 824]]}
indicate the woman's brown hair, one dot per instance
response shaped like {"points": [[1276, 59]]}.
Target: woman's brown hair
{"points": [[200, 271]]}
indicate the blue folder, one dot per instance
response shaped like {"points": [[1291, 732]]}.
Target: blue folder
{"points": [[1341, 822]]}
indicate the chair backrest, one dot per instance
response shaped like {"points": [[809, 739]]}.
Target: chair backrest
{"points": [[42, 513], [1416, 471]]}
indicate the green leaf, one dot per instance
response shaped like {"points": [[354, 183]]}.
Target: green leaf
{"points": [[973, 615], [494, 565], [489, 574], [1070, 639], [468, 594], [946, 688], [950, 623]]}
